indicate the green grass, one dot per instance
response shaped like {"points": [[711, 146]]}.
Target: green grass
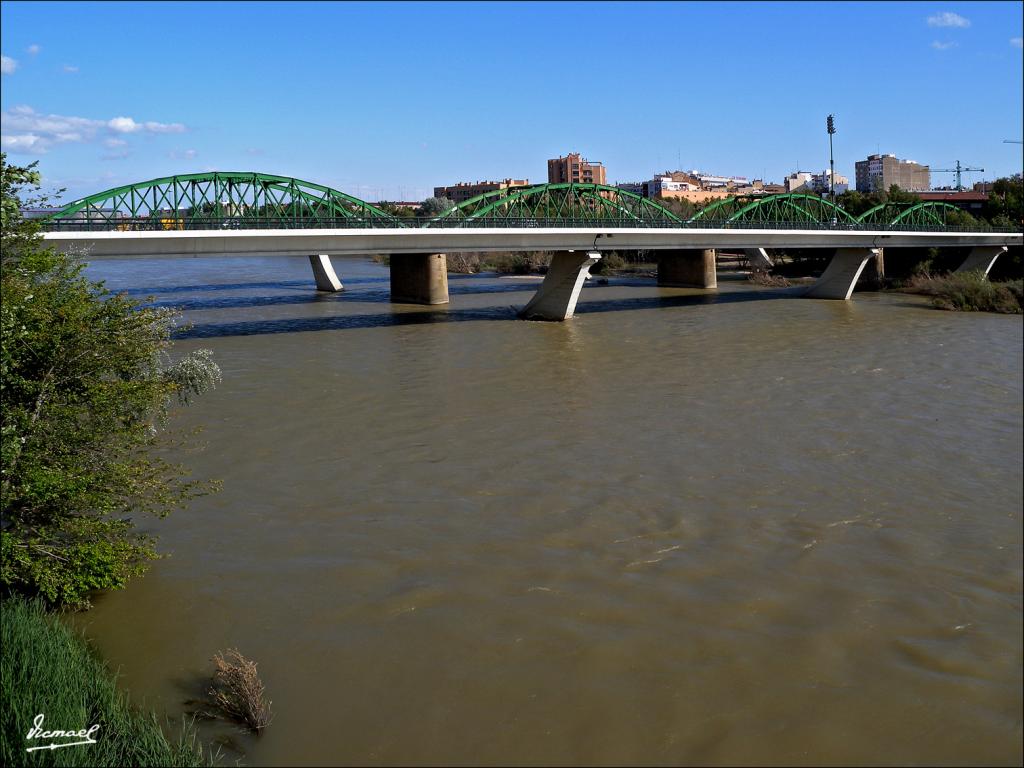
{"points": [[968, 292], [45, 668]]}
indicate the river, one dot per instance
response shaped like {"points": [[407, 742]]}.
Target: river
{"points": [[732, 527]]}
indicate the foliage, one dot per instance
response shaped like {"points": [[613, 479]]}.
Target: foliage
{"points": [[608, 263], [87, 384], [969, 292], [237, 691], [47, 669], [434, 206]]}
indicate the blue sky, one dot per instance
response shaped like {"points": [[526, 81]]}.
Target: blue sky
{"points": [[387, 100]]}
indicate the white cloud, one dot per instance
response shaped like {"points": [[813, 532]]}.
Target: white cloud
{"points": [[942, 46], [7, 64], [33, 49], [25, 142], [188, 154], [1017, 42], [127, 125], [70, 68], [948, 19], [25, 130]]}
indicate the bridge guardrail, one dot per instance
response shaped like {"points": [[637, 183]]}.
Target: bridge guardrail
{"points": [[227, 224]]}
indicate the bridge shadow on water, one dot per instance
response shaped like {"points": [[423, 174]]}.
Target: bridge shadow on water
{"points": [[449, 314]]}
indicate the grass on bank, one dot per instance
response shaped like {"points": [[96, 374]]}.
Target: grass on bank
{"points": [[968, 292], [45, 668]]}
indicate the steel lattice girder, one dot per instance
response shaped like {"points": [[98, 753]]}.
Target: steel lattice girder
{"points": [[929, 213], [588, 202], [792, 206], [218, 195]]}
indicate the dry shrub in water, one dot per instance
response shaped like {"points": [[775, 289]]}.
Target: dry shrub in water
{"points": [[761, 277], [237, 690]]}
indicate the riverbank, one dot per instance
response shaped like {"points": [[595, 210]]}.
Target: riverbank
{"points": [[967, 292], [52, 681]]}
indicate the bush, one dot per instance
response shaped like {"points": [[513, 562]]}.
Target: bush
{"points": [[46, 669], [86, 384], [237, 690], [607, 264], [969, 292]]}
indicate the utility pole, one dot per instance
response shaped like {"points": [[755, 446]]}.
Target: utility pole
{"points": [[830, 125]]}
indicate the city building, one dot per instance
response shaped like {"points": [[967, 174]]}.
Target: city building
{"points": [[798, 181], [575, 169], [711, 181], [465, 190], [879, 172], [819, 182]]}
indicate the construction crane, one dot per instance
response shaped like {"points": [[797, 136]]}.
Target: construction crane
{"points": [[1012, 141], [958, 170]]}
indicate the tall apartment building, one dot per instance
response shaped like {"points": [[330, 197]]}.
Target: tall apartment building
{"points": [[464, 190], [575, 169], [879, 172]]}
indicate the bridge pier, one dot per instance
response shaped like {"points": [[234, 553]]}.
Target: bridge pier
{"points": [[687, 268], [557, 296], [758, 259], [323, 273], [982, 257], [840, 276], [419, 278], [874, 271]]}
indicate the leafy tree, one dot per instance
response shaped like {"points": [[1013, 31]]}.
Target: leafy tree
{"points": [[433, 206], [86, 384]]}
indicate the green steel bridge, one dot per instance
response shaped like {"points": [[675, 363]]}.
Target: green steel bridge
{"points": [[224, 214], [250, 200]]}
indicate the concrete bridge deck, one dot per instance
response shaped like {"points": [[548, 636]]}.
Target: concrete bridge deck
{"points": [[341, 242]]}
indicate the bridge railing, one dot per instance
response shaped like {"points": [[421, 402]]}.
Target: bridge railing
{"points": [[162, 224]]}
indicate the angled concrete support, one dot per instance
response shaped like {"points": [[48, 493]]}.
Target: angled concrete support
{"points": [[323, 271], [557, 296], [841, 274], [419, 278], [981, 257], [874, 272], [758, 258], [687, 268]]}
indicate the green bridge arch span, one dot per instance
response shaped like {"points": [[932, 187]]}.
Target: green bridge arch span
{"points": [[564, 201], [243, 198]]}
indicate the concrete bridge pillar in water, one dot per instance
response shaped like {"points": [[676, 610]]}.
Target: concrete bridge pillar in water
{"points": [[840, 276], [419, 278], [981, 258], [687, 268], [557, 296], [323, 273]]}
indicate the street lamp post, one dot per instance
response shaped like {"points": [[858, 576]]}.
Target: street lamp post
{"points": [[830, 124]]}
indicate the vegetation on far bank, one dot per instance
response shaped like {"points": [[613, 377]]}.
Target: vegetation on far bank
{"points": [[46, 669], [968, 292]]}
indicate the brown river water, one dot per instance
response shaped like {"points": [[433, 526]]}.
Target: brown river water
{"points": [[732, 527]]}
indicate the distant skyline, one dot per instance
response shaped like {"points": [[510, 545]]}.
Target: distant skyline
{"points": [[389, 100]]}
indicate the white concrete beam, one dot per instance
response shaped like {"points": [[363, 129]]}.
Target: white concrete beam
{"points": [[557, 296], [758, 258], [323, 271], [287, 242], [841, 274], [982, 258]]}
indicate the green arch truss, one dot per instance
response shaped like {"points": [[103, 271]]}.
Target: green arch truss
{"points": [[788, 208], [242, 198], [578, 203], [931, 213]]}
